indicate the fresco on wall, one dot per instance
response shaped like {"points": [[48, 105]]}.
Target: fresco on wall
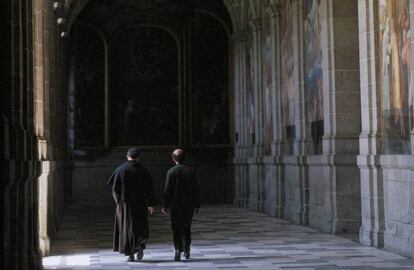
{"points": [[210, 82], [250, 89], [88, 102], [313, 72], [287, 70], [144, 88], [396, 82], [267, 82]]}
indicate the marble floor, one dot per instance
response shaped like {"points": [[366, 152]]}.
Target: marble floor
{"points": [[223, 238]]}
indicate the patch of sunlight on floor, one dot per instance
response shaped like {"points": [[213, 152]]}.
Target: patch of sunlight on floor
{"points": [[74, 260]]}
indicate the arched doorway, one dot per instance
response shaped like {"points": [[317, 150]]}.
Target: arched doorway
{"points": [[151, 75]]}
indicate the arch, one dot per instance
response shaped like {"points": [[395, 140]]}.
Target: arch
{"points": [[235, 13], [74, 7], [217, 18]]}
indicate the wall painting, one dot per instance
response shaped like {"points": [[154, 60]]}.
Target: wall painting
{"points": [[395, 98], [144, 88], [288, 70], [313, 72]]}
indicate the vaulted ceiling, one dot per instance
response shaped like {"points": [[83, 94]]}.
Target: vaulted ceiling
{"points": [[103, 11]]}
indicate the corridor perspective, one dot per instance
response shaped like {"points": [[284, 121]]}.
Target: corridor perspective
{"points": [[224, 238], [296, 117]]}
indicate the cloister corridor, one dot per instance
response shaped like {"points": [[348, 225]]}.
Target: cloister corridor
{"points": [[224, 237]]}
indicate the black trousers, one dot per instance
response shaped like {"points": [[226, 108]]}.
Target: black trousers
{"points": [[181, 220]]}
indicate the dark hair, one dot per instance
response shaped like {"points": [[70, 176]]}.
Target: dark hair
{"points": [[178, 155], [133, 153]]}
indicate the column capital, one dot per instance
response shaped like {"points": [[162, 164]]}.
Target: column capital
{"points": [[255, 24], [274, 10]]}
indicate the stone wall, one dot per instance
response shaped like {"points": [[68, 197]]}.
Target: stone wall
{"points": [[34, 166], [358, 176], [387, 188], [291, 175]]}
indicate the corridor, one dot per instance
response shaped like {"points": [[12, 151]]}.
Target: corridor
{"points": [[223, 238]]}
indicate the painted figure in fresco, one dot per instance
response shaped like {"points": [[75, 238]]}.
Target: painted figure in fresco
{"points": [[396, 82], [133, 193], [182, 201], [404, 23], [313, 60], [386, 61], [313, 72], [287, 66]]}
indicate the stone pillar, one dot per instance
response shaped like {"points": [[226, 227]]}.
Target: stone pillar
{"points": [[292, 159], [386, 157], [50, 119], [41, 104], [256, 30], [273, 185], [256, 167], [334, 185], [372, 191], [18, 154], [241, 175], [238, 117], [277, 147]]}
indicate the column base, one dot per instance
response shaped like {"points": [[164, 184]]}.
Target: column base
{"points": [[371, 238]]}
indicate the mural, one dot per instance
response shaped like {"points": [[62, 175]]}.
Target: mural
{"points": [[287, 69], [144, 88], [396, 82], [313, 72], [210, 82], [267, 82], [88, 102]]}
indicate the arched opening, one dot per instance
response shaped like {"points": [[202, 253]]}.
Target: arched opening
{"points": [[85, 64], [152, 75]]}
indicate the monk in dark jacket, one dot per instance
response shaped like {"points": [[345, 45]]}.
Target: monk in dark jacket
{"points": [[181, 198], [132, 189]]}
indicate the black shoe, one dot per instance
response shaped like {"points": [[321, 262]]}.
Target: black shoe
{"points": [[131, 258], [140, 254], [177, 257], [187, 255]]}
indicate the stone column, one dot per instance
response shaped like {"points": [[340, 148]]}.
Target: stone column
{"points": [[277, 147], [334, 185], [241, 193], [51, 135], [18, 158], [294, 165], [273, 185], [255, 27], [299, 147], [240, 116], [41, 84], [256, 166], [372, 191]]}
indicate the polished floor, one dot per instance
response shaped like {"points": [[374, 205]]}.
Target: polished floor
{"points": [[223, 238]]}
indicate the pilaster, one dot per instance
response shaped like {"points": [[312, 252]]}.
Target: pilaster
{"points": [[371, 232]]}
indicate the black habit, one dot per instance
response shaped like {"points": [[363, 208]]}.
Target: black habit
{"points": [[132, 188], [181, 195]]}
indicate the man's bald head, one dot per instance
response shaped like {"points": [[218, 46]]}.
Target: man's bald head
{"points": [[178, 155]]}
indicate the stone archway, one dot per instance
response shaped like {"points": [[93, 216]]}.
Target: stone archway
{"points": [[52, 23]]}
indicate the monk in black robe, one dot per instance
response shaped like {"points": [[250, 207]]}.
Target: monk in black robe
{"points": [[181, 199], [132, 189]]}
